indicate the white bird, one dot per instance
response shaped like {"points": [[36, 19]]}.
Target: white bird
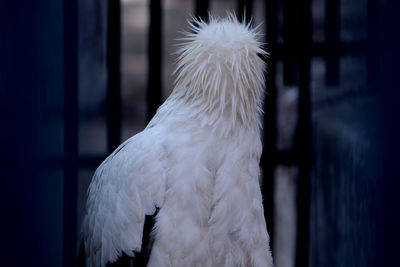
{"points": [[197, 162]]}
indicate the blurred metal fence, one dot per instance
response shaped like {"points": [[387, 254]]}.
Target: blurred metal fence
{"points": [[296, 52]]}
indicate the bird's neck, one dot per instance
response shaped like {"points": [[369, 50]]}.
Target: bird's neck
{"points": [[224, 113]]}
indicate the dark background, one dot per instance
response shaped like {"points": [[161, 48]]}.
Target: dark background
{"points": [[331, 140]]}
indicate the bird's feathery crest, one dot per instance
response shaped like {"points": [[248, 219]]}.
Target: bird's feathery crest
{"points": [[221, 66]]}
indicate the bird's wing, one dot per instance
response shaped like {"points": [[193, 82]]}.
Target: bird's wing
{"points": [[128, 185]]}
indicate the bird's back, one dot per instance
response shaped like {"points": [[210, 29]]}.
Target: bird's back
{"points": [[212, 213]]}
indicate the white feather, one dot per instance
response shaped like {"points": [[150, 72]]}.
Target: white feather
{"points": [[197, 161]]}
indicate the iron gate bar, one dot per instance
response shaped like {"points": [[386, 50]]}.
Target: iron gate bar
{"points": [[154, 95], [332, 35], [291, 37], [70, 28], [303, 138], [202, 9], [373, 41], [286, 157], [245, 10], [283, 157], [269, 148], [113, 72]]}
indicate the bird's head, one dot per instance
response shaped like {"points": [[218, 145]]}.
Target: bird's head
{"points": [[220, 65]]}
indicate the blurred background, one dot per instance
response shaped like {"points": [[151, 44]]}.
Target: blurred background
{"points": [[77, 78]]}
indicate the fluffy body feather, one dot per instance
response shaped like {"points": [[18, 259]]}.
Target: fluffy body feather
{"points": [[197, 160]]}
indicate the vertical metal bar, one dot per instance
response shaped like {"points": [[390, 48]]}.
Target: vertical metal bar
{"points": [[154, 89], [387, 233], [202, 9], [70, 131], [113, 69], [269, 151], [332, 33], [303, 138], [291, 39], [373, 41], [245, 10]]}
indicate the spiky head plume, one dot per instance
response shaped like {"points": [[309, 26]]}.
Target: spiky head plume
{"points": [[220, 65]]}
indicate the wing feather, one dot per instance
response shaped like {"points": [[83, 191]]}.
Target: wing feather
{"points": [[126, 187]]}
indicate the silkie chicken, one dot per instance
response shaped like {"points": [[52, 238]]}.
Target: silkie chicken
{"points": [[195, 167]]}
